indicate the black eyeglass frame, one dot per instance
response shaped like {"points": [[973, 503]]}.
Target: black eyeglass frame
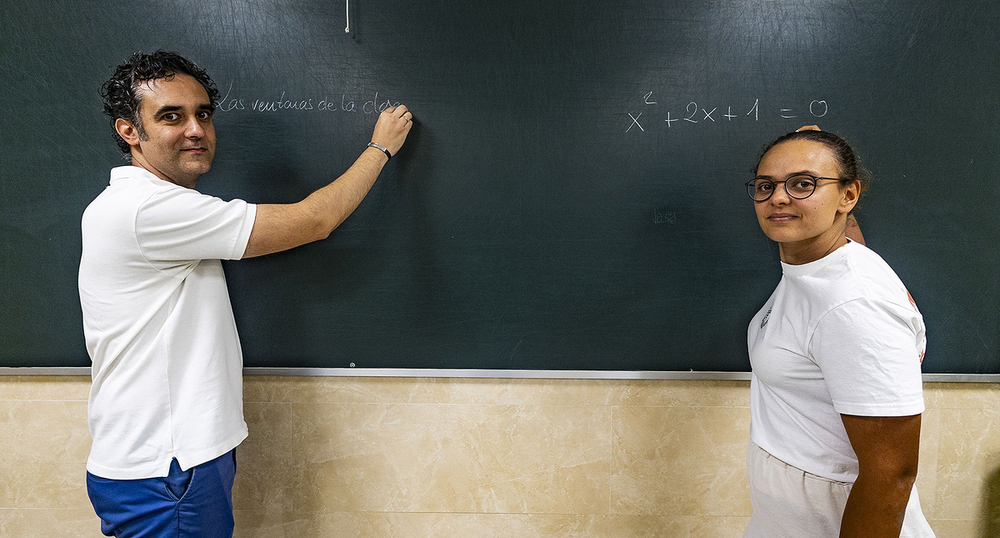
{"points": [[751, 188]]}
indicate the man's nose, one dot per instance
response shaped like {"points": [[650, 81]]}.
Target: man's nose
{"points": [[194, 129]]}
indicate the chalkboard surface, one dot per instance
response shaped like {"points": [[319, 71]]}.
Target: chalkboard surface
{"points": [[571, 197]]}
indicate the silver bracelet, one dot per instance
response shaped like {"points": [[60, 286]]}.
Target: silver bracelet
{"points": [[388, 156]]}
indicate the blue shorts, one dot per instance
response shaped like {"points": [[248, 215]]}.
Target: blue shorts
{"points": [[189, 504]]}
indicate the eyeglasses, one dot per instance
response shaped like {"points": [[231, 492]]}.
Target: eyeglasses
{"points": [[799, 186]]}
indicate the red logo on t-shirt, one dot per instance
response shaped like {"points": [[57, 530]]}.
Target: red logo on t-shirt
{"points": [[914, 305]]}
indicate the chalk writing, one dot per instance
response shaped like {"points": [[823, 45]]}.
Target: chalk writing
{"points": [[635, 122], [289, 102], [281, 104], [692, 109], [696, 113], [662, 216], [818, 108]]}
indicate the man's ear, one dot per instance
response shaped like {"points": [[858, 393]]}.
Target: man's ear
{"points": [[127, 131]]}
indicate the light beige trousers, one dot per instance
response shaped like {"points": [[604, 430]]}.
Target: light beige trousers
{"points": [[791, 503]]}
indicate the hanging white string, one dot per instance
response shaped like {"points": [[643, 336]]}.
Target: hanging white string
{"points": [[347, 9]]}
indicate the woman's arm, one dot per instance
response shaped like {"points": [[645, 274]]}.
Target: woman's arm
{"points": [[887, 449], [853, 230]]}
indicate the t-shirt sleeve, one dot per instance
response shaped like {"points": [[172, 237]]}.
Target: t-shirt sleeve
{"points": [[183, 224], [870, 353]]}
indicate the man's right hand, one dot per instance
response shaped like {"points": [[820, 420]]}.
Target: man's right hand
{"points": [[392, 127]]}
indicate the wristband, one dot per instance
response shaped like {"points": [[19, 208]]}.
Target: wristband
{"points": [[376, 145]]}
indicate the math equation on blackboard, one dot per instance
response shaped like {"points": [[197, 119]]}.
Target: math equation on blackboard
{"points": [[650, 114]]}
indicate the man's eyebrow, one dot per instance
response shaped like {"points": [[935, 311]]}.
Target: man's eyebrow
{"points": [[174, 108], [166, 108]]}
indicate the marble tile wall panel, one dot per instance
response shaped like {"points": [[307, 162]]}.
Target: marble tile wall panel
{"points": [[455, 458], [420, 525], [50, 522], [43, 452], [401, 458], [967, 482], [687, 460]]}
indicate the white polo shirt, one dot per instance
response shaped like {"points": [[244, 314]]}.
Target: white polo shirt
{"points": [[159, 327]]}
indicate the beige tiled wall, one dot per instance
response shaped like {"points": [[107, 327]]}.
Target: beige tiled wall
{"points": [[406, 458]]}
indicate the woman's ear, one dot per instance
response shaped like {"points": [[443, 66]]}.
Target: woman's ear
{"points": [[849, 196]]}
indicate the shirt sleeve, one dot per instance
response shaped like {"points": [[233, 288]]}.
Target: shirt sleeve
{"points": [[183, 224], [870, 353]]}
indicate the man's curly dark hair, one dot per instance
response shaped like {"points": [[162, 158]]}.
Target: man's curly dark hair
{"points": [[122, 98]]}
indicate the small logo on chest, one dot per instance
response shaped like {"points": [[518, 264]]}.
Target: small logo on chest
{"points": [[763, 322]]}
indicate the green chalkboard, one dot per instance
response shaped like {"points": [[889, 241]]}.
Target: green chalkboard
{"points": [[571, 196]]}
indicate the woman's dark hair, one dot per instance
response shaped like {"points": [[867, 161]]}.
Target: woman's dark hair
{"points": [[121, 96], [848, 164]]}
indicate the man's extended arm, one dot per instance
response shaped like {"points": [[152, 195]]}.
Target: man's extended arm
{"points": [[279, 227]]}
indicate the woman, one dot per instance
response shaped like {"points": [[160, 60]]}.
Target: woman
{"points": [[836, 392]]}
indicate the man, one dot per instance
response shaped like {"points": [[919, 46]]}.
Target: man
{"points": [[165, 408]]}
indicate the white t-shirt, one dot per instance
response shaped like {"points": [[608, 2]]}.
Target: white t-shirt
{"points": [[839, 335], [159, 327]]}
